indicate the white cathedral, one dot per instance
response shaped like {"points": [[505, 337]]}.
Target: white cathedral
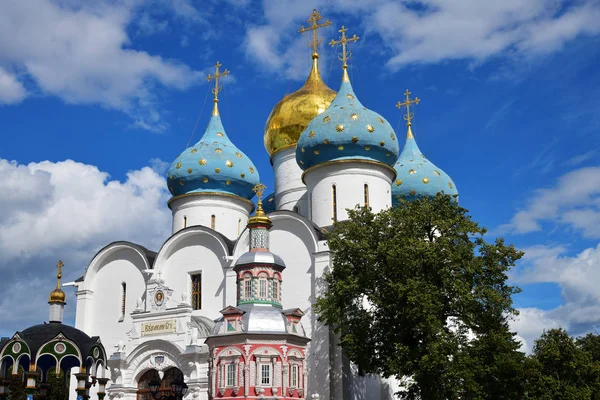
{"points": [[196, 308]]}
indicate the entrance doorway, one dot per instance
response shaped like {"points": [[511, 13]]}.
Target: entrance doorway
{"points": [[170, 375]]}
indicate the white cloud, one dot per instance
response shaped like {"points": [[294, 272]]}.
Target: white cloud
{"points": [[430, 31], [577, 277], [80, 52], [68, 210], [11, 90], [574, 202]]}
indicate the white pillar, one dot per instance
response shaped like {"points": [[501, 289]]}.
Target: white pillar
{"points": [[290, 191]]}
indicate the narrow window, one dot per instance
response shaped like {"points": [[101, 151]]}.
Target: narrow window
{"points": [[197, 291], [296, 209], [248, 287], [230, 375], [262, 288], [265, 374], [213, 222], [366, 195], [275, 289], [294, 382], [239, 226], [184, 222], [334, 201], [123, 298]]}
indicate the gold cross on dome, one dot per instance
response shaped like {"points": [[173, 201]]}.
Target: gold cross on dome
{"points": [[259, 189], [59, 267], [344, 42], [314, 19], [409, 116], [216, 77]]}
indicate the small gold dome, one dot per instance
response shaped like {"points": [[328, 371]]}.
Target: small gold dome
{"points": [[293, 113], [57, 296]]}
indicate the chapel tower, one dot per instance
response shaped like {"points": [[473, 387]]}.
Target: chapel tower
{"points": [[347, 154], [211, 181], [286, 122], [257, 348]]}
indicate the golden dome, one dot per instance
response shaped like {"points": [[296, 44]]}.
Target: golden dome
{"points": [[293, 113], [57, 296]]}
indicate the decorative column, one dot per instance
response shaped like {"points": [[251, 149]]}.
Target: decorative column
{"points": [[82, 379], [31, 378], [88, 385], [102, 387]]}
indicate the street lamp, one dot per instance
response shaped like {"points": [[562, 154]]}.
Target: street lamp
{"points": [[178, 390]]}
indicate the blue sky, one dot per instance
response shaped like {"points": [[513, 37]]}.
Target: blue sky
{"points": [[96, 98]]}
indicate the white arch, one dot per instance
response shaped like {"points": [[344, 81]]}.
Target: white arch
{"points": [[99, 261], [141, 358]]}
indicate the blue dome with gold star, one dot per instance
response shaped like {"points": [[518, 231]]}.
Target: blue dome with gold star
{"points": [[417, 176], [213, 165], [347, 131]]}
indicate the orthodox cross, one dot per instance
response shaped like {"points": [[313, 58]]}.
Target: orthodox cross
{"points": [[344, 42], [216, 77], [259, 189], [59, 267], [407, 103], [314, 19]]}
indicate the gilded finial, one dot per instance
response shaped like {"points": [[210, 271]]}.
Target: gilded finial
{"points": [[260, 216], [314, 19], [217, 89], [409, 116], [57, 295], [59, 267], [345, 53]]}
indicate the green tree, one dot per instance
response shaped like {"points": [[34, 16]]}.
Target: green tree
{"points": [[562, 368], [409, 289], [58, 389]]}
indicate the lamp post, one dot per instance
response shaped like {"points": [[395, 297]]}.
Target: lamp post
{"points": [[178, 390]]}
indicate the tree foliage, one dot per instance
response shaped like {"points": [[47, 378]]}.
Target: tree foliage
{"points": [[416, 291]]}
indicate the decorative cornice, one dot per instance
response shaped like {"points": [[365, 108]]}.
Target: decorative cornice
{"points": [[352, 160]]}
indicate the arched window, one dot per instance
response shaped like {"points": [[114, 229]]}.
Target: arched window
{"points": [[184, 222], [123, 299], [213, 221], [295, 209], [248, 286], [196, 291], [262, 286], [239, 226], [294, 376], [366, 190], [334, 203]]}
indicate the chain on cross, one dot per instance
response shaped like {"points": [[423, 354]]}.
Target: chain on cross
{"points": [[344, 42], [314, 19], [216, 77], [409, 116]]}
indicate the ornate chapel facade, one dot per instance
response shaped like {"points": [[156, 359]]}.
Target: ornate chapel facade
{"points": [[211, 304]]}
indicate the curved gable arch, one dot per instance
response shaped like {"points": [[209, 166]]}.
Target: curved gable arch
{"points": [[126, 250], [229, 351], [198, 234], [266, 350], [142, 357]]}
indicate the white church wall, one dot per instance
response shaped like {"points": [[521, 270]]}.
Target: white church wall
{"points": [[228, 214], [195, 252], [102, 292], [349, 179], [290, 191]]}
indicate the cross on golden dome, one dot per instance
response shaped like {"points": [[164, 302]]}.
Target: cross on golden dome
{"points": [[344, 42], [314, 19], [217, 89], [409, 116], [259, 189], [59, 267]]}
